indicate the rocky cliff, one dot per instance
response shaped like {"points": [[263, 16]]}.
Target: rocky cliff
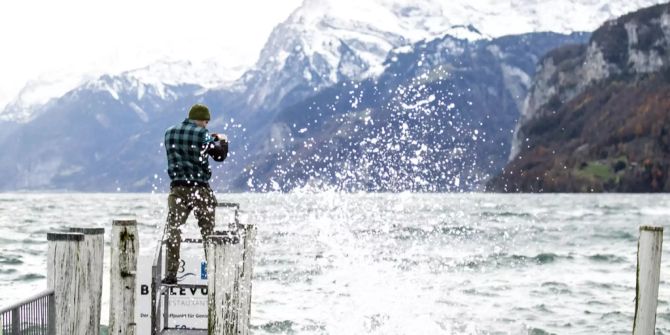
{"points": [[597, 117]]}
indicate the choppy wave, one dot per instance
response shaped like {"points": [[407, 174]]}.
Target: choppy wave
{"points": [[279, 327], [513, 261], [557, 287], [30, 277], [506, 214], [10, 260], [538, 331], [608, 258]]}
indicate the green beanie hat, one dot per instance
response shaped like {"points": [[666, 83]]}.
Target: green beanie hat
{"points": [[199, 112]]}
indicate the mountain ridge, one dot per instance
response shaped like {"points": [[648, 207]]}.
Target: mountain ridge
{"points": [[248, 109]]}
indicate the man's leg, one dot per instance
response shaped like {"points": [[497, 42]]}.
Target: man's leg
{"points": [[178, 210], [204, 211]]}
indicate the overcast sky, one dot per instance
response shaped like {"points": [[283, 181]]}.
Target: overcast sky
{"points": [[52, 38]]}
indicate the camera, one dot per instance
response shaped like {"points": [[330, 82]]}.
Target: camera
{"points": [[220, 137]]}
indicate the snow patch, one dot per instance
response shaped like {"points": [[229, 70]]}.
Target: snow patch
{"points": [[419, 103], [140, 112], [36, 93]]}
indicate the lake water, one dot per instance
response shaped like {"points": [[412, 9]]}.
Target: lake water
{"points": [[330, 263]]}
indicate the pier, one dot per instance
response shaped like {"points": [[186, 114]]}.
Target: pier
{"points": [[74, 279]]}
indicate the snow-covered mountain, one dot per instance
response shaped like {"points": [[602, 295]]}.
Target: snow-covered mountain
{"points": [[37, 92], [497, 18], [327, 41], [208, 74], [107, 131]]}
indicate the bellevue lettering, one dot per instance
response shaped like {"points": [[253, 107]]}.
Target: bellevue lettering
{"points": [[183, 291]]}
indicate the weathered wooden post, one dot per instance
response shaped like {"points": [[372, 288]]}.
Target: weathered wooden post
{"points": [[63, 276], [228, 288], [247, 272], [124, 250], [90, 279], [649, 249]]}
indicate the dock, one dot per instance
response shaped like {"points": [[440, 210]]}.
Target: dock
{"points": [[74, 279]]}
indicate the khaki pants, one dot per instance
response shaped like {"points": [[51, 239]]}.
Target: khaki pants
{"points": [[181, 201]]}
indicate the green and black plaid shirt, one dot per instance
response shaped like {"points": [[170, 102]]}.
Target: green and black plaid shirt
{"points": [[187, 146]]}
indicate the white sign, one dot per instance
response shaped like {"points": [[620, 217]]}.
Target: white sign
{"points": [[187, 306]]}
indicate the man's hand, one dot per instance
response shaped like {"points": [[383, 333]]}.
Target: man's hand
{"points": [[220, 137]]}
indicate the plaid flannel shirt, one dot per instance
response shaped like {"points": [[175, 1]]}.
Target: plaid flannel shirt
{"points": [[186, 145]]}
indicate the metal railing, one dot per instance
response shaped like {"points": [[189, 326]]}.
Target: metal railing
{"points": [[33, 316], [160, 293], [156, 272]]}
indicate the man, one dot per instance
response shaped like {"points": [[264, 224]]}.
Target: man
{"points": [[188, 146]]}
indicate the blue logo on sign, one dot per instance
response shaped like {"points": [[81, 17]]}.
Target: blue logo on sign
{"points": [[203, 270]]}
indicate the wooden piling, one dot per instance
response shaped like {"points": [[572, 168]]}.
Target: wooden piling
{"points": [[225, 282], [90, 278], [249, 235], [64, 269], [649, 249], [124, 251]]}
